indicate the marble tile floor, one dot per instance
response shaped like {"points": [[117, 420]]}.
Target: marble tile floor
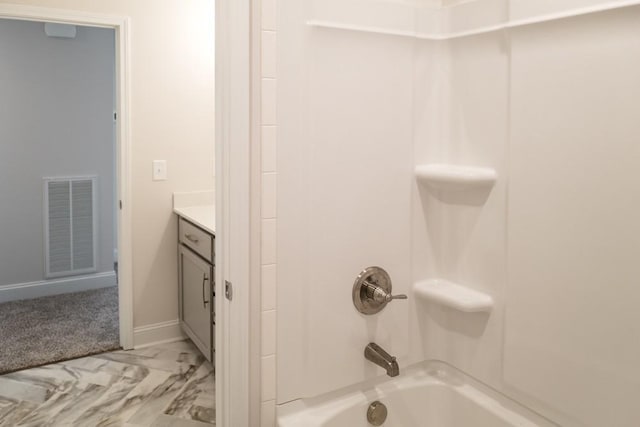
{"points": [[164, 385]]}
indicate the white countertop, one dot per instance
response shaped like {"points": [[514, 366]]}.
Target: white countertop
{"points": [[198, 208], [202, 216]]}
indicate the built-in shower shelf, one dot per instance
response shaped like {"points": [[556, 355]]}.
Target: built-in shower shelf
{"points": [[453, 295], [446, 177]]}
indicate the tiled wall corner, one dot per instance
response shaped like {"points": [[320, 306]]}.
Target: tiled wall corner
{"points": [[269, 129]]}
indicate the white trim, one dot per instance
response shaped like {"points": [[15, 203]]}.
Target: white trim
{"points": [[233, 152], [157, 333], [45, 288], [256, 405], [125, 220], [154, 343], [123, 138], [476, 31], [62, 16]]}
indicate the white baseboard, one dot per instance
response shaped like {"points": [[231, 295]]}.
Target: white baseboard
{"points": [[157, 333], [65, 285]]}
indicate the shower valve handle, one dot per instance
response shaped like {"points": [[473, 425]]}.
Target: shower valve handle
{"points": [[379, 295], [372, 290]]}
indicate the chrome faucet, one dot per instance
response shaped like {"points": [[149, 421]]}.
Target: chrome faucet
{"points": [[374, 353]]}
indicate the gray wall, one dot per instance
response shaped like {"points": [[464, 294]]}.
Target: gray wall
{"points": [[56, 108]]}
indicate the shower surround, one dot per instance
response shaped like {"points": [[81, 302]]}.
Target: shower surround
{"points": [[545, 95]]}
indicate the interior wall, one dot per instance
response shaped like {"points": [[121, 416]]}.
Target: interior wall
{"points": [[172, 111], [56, 118], [551, 107]]}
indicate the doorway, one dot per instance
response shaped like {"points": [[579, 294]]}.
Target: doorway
{"points": [[119, 157], [58, 251], [233, 20]]}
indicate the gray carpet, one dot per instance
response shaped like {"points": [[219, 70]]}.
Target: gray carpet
{"points": [[60, 327]]}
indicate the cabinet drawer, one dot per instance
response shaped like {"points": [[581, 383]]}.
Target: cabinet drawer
{"points": [[196, 238]]}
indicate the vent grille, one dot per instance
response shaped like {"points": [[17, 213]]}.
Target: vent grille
{"points": [[70, 226]]}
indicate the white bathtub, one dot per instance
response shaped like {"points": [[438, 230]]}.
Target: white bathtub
{"points": [[430, 395]]}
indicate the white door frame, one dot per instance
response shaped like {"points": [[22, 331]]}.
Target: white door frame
{"points": [[123, 171], [233, 216]]}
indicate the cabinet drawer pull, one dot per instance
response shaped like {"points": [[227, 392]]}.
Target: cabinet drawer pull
{"points": [[191, 238], [204, 294]]}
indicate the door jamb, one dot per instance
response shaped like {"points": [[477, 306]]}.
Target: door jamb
{"points": [[234, 402]]}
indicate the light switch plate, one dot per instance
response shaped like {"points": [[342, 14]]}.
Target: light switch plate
{"points": [[159, 170]]}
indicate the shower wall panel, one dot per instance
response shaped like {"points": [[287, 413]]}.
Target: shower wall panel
{"points": [[460, 237], [344, 190], [572, 323], [552, 107]]}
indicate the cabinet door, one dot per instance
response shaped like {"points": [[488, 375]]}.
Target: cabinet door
{"points": [[197, 299]]}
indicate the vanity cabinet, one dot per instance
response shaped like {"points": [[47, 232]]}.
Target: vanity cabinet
{"points": [[196, 268]]}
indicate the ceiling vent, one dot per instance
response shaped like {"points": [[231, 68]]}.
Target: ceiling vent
{"points": [[63, 31]]}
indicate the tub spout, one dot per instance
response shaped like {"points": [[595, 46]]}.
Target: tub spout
{"points": [[374, 353]]}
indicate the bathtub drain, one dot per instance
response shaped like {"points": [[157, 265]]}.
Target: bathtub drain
{"points": [[377, 413]]}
